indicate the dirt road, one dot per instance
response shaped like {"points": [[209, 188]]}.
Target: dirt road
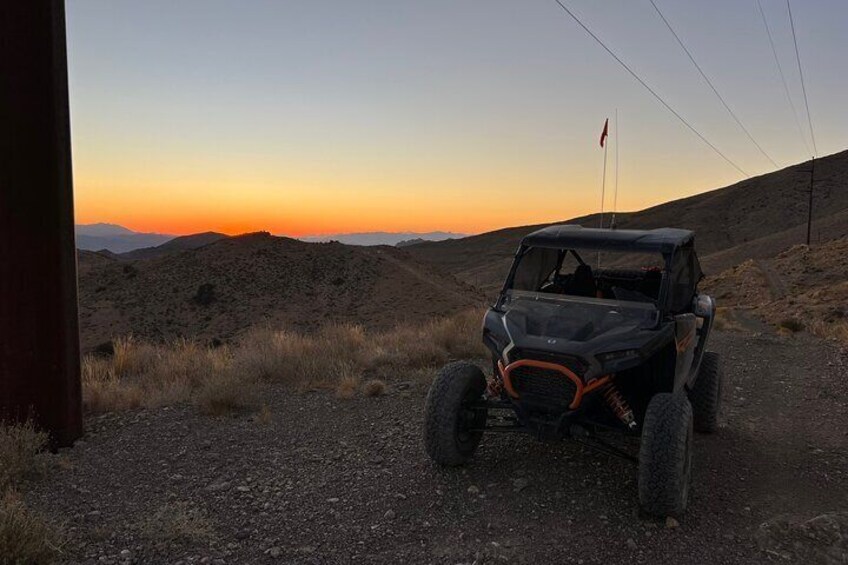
{"points": [[341, 481]]}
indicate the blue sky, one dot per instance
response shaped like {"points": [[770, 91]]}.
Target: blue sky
{"points": [[328, 116]]}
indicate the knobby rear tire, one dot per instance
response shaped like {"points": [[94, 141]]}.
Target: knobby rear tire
{"points": [[665, 455], [706, 394]]}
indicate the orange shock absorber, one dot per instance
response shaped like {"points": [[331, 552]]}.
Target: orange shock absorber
{"points": [[619, 405]]}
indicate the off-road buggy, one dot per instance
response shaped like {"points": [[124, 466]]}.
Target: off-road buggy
{"points": [[595, 331]]}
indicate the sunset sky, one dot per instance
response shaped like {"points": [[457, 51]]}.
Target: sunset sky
{"points": [[462, 115]]}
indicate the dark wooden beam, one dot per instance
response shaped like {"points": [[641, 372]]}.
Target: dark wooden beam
{"points": [[39, 335]]}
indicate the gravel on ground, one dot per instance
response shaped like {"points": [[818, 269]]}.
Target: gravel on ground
{"points": [[329, 480]]}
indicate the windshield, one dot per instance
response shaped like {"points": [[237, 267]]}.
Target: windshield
{"points": [[539, 314], [608, 275]]}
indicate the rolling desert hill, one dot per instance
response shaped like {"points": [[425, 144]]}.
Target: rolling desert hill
{"points": [[221, 289], [176, 245], [758, 217]]}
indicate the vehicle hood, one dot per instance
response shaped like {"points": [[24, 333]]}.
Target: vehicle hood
{"points": [[576, 320], [573, 327]]}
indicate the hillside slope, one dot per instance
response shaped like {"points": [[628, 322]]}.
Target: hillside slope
{"points": [[176, 245], [801, 287], [222, 289], [738, 215]]}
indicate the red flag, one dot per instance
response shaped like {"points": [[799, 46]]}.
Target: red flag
{"points": [[604, 133]]}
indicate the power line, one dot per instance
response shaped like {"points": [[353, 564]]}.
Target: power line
{"points": [[649, 89], [801, 74], [783, 79], [809, 122], [710, 83]]}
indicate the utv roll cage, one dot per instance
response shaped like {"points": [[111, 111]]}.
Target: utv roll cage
{"points": [[681, 271]]}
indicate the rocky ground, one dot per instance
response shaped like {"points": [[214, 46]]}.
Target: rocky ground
{"points": [[318, 479]]}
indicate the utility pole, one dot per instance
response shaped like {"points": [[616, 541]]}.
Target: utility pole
{"points": [[39, 329], [810, 203]]}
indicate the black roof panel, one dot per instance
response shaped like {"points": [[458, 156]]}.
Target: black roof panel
{"points": [[663, 240]]}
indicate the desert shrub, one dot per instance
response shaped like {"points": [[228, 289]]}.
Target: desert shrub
{"points": [[792, 324], [205, 294], [22, 454], [25, 536], [374, 387]]}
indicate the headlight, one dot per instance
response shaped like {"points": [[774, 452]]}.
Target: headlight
{"points": [[618, 355]]}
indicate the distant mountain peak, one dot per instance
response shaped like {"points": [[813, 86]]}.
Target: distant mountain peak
{"points": [[102, 229], [115, 238]]}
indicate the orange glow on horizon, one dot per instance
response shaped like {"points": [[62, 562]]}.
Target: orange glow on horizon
{"points": [[183, 216], [332, 205], [180, 220]]}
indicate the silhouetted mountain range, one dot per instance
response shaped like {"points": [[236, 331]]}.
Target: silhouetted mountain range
{"points": [[382, 237], [115, 238]]}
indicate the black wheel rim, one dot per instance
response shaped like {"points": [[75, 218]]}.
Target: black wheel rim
{"points": [[468, 419]]}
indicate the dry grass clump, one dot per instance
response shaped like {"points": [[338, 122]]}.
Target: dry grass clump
{"points": [[177, 522], [224, 393], [306, 361], [374, 387], [837, 331], [22, 454], [431, 344], [25, 536], [131, 356], [146, 375], [225, 379], [103, 388], [347, 386]]}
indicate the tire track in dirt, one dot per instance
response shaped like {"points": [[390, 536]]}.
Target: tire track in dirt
{"points": [[776, 285]]}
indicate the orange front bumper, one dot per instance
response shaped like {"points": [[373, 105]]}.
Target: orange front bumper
{"points": [[581, 388]]}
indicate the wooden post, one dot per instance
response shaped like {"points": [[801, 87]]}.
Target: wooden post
{"points": [[39, 329]]}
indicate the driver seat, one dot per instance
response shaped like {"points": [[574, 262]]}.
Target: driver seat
{"points": [[582, 282]]}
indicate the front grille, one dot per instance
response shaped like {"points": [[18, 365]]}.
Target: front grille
{"points": [[573, 363], [543, 386]]}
